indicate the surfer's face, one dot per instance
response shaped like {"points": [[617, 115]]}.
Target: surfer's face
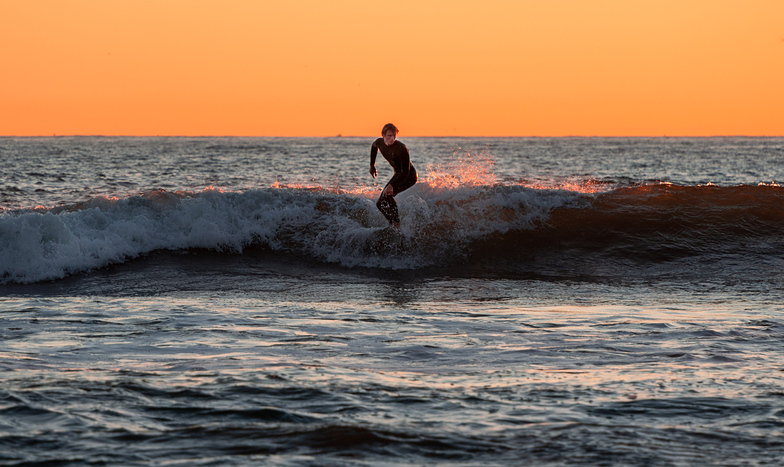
{"points": [[389, 137]]}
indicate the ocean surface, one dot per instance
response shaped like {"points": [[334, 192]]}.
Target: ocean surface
{"points": [[241, 301]]}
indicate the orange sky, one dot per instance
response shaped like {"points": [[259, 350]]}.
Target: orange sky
{"points": [[434, 67]]}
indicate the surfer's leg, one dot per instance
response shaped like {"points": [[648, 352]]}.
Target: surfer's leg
{"points": [[387, 204], [388, 207]]}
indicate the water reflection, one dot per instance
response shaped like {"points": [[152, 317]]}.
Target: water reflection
{"points": [[402, 294]]}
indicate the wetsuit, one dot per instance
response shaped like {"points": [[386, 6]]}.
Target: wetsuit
{"points": [[405, 175]]}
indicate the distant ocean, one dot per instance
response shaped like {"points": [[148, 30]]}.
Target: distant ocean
{"points": [[237, 301]]}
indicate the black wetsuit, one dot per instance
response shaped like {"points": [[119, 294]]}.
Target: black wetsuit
{"points": [[405, 175]]}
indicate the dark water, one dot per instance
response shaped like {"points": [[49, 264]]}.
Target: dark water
{"points": [[223, 301]]}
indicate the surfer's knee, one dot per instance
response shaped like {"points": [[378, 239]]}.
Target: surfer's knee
{"points": [[384, 200]]}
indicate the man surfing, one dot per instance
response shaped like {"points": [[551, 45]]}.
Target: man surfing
{"points": [[396, 153]]}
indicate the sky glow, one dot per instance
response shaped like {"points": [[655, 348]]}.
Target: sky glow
{"points": [[434, 67]]}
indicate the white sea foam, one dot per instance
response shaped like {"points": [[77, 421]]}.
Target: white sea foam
{"points": [[327, 225]]}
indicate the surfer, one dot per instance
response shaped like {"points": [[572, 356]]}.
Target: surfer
{"points": [[396, 153]]}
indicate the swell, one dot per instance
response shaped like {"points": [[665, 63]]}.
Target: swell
{"points": [[654, 223], [499, 226]]}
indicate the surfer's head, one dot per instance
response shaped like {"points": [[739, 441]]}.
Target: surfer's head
{"points": [[389, 132]]}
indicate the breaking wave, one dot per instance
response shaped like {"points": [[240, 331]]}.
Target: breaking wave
{"points": [[444, 225]]}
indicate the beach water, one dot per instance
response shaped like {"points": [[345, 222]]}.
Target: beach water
{"points": [[238, 301]]}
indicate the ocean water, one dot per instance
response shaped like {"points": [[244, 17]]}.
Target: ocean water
{"points": [[239, 301]]}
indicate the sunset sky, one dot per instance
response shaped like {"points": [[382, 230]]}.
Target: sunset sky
{"points": [[434, 67]]}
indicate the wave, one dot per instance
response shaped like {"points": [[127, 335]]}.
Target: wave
{"points": [[443, 226]]}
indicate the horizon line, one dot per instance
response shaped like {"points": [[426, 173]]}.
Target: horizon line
{"points": [[374, 136]]}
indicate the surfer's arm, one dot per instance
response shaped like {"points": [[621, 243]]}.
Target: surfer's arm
{"points": [[373, 153]]}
